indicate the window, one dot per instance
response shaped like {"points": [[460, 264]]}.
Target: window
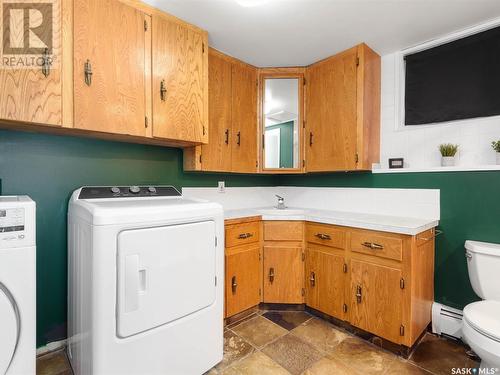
{"points": [[454, 81]]}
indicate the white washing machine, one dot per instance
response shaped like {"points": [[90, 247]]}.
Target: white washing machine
{"points": [[146, 282], [17, 286]]}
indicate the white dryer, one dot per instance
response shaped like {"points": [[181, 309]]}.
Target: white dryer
{"points": [[146, 282], [17, 286]]}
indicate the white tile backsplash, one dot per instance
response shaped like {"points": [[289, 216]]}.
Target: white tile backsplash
{"points": [[415, 203]]}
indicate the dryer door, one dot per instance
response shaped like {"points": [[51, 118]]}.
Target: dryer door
{"points": [[164, 274], [9, 328]]}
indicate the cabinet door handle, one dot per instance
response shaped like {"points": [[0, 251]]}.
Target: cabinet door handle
{"points": [[87, 68], [358, 294], [310, 138], [312, 279], [226, 141], [373, 245], [233, 284], [46, 63], [271, 275], [243, 236], [238, 138], [163, 90], [323, 236]]}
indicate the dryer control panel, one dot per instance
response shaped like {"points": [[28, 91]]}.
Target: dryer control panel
{"points": [[102, 192], [17, 221]]}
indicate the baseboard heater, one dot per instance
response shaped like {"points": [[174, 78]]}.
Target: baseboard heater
{"points": [[446, 321]]}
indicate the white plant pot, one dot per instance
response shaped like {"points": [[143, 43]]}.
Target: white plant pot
{"points": [[447, 161], [498, 158]]}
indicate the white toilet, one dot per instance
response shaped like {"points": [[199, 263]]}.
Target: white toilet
{"points": [[481, 322]]}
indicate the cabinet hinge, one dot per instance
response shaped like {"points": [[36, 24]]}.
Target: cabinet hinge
{"points": [[256, 164], [146, 121], [303, 292], [260, 292], [215, 241], [356, 158], [259, 257], [357, 61], [344, 268], [263, 140], [402, 283], [200, 158], [344, 308], [401, 330], [304, 124], [303, 163], [304, 81], [215, 280], [204, 130], [202, 47], [145, 25], [303, 256]]}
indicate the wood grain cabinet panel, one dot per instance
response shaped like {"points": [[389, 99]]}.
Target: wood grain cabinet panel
{"points": [[376, 300], [27, 95], [283, 231], [283, 274], [325, 282], [179, 82], [216, 155], [110, 37], [244, 118], [242, 280]]}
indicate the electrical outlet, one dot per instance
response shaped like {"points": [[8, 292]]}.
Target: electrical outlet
{"points": [[222, 186]]}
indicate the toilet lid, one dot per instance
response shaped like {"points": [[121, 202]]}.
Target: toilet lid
{"points": [[484, 317]]}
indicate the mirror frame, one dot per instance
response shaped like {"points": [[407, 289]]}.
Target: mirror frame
{"points": [[270, 73]]}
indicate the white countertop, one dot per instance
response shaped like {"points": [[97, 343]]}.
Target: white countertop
{"points": [[384, 223]]}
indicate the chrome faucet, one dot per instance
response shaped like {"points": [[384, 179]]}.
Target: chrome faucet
{"points": [[281, 203]]}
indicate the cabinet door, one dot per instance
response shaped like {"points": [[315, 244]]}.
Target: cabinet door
{"points": [[376, 299], [216, 155], [110, 38], [179, 82], [325, 279], [331, 113], [242, 280], [27, 94], [283, 274], [244, 118]]}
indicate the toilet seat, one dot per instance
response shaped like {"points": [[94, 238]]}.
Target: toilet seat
{"points": [[483, 316]]}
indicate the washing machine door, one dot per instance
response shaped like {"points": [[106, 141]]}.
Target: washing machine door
{"points": [[9, 328]]}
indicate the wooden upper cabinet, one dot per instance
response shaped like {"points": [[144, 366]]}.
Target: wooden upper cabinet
{"points": [[244, 118], [180, 84], [217, 153], [343, 105], [111, 43], [27, 94]]}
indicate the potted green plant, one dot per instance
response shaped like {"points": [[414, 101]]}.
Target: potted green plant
{"points": [[496, 147], [448, 152]]}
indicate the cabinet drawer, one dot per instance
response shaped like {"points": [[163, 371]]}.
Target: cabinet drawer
{"points": [[325, 235], [240, 234], [380, 245], [283, 230]]}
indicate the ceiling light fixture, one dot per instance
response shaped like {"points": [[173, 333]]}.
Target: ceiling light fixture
{"points": [[251, 3]]}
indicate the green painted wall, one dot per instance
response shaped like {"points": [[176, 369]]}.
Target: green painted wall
{"points": [[470, 209], [48, 168]]}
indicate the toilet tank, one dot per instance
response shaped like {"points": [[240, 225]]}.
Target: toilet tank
{"points": [[483, 264]]}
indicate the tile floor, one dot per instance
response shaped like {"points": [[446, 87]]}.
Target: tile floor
{"points": [[294, 342]]}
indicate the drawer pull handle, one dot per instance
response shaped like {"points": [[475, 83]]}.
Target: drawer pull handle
{"points": [[323, 236], [358, 294], [46, 62], [163, 90], [87, 70], [233, 284], [372, 245], [243, 236], [271, 275], [312, 279]]}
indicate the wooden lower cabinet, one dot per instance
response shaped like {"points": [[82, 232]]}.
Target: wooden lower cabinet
{"points": [[325, 280], [283, 274], [376, 299], [242, 279]]}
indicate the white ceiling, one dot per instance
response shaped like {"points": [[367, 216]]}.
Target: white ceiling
{"points": [[300, 32]]}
